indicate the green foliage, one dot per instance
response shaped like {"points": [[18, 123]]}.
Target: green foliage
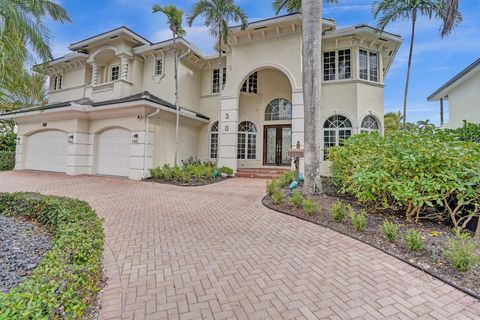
{"points": [[190, 171], [358, 220], [226, 170], [338, 211], [296, 199], [8, 138], [461, 252], [272, 186], [278, 197], [286, 178], [67, 279], [310, 207], [411, 171], [389, 230], [413, 240], [7, 160], [469, 132]]}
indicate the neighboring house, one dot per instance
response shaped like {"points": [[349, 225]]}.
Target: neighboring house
{"points": [[110, 106], [463, 95]]}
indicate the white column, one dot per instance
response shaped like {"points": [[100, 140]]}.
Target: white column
{"points": [[298, 123], [94, 74], [123, 67], [228, 133]]}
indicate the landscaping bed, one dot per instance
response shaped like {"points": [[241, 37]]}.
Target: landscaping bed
{"points": [[67, 280], [431, 233]]}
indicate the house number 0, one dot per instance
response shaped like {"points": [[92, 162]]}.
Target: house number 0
{"points": [[226, 128]]}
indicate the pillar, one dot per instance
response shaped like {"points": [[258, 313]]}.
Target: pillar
{"points": [[228, 133]]}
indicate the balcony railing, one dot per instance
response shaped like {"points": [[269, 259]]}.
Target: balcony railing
{"points": [[104, 87]]}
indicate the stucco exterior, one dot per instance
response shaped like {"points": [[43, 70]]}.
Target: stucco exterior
{"points": [[115, 80]]}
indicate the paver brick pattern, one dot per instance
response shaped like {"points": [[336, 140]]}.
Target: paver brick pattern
{"points": [[215, 252]]}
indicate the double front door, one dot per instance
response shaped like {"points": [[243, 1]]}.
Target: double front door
{"points": [[277, 140]]}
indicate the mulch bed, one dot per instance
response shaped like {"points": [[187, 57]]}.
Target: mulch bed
{"points": [[434, 234], [192, 183]]}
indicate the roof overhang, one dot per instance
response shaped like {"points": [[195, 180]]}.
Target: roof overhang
{"points": [[118, 33], [464, 75]]}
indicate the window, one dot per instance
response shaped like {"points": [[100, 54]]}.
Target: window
{"points": [[158, 66], [335, 129], [369, 123], [368, 65], [57, 82], [247, 141], [216, 80], [329, 65], [344, 64], [115, 73], [278, 109], [251, 84], [214, 141]]}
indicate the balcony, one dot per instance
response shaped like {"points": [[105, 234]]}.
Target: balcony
{"points": [[110, 90], [103, 87]]}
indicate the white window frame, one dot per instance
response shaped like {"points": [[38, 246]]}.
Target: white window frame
{"points": [[56, 84], [370, 128], [162, 68], [215, 88], [336, 132], [215, 126], [336, 57], [275, 107], [247, 136], [111, 72], [369, 69], [251, 84]]}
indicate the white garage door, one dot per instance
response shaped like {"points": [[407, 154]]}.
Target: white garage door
{"points": [[113, 152], [47, 151]]}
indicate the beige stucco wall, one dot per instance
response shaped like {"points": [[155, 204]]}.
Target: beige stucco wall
{"points": [[464, 102]]}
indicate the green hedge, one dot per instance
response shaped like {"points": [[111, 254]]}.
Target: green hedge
{"points": [[7, 160], [66, 282], [412, 171]]}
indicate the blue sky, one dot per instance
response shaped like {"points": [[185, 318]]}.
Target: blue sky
{"points": [[436, 60]]}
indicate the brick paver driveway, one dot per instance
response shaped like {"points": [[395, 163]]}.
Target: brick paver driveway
{"points": [[215, 252]]}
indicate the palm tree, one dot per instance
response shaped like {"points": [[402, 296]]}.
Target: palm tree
{"points": [[217, 14], [23, 90], [175, 21], [388, 11], [423, 125], [451, 16], [392, 121], [312, 83]]}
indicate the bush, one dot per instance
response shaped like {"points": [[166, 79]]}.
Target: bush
{"points": [[410, 172], [338, 211], [228, 171], [190, 171], [413, 240], [310, 207], [278, 197], [67, 278], [358, 220], [461, 252], [7, 160], [389, 230], [272, 187], [286, 178], [296, 199]]}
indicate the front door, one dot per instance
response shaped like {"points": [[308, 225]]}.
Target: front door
{"points": [[277, 140]]}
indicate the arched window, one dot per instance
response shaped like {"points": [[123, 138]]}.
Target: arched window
{"points": [[369, 123], [214, 140], [247, 141], [278, 109], [57, 82], [335, 129]]}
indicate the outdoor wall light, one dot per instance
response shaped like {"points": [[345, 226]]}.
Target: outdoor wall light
{"points": [[70, 139], [19, 141], [135, 138]]}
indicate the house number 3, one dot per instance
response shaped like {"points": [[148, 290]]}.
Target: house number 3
{"points": [[227, 116]]}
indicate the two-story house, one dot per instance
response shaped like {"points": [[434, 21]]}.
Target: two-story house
{"points": [[110, 108]]}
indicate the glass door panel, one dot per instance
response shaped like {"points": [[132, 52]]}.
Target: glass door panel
{"points": [[271, 141], [286, 145]]}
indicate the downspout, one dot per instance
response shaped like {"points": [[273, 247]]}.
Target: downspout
{"points": [[147, 124], [184, 54]]}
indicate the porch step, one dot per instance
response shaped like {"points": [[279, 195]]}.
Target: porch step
{"points": [[260, 173]]}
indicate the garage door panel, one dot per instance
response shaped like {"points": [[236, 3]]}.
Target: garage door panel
{"points": [[113, 152], [47, 151]]}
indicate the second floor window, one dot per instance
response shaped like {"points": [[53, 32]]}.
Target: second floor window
{"points": [[158, 67], [344, 64], [251, 84], [368, 65], [329, 66], [115, 73], [337, 65], [216, 80], [57, 82]]}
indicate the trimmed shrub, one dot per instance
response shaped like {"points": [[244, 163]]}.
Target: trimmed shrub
{"points": [[272, 186], [278, 197], [7, 160], [190, 171], [358, 220], [310, 207], [338, 211], [228, 171], [286, 178], [389, 230], [296, 199], [67, 279], [461, 252], [413, 240]]}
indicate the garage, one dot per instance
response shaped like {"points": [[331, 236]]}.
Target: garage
{"points": [[113, 152], [47, 151]]}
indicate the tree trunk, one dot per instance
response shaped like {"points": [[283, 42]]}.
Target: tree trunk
{"points": [[410, 55], [312, 82], [177, 107], [441, 112]]}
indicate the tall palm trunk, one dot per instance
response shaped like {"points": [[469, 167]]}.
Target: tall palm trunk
{"points": [[312, 48], [220, 77], [177, 107], [410, 55]]}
